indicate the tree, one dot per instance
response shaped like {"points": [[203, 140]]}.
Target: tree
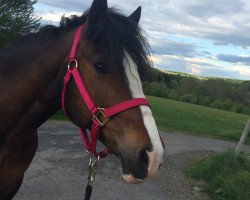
{"points": [[188, 85], [16, 19], [216, 89]]}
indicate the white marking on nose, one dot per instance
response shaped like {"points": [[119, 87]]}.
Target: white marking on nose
{"points": [[135, 87]]}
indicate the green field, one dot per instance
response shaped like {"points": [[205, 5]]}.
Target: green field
{"points": [[199, 120]]}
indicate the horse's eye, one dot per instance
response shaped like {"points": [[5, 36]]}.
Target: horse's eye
{"points": [[101, 68]]}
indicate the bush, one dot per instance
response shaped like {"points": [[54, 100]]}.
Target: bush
{"points": [[222, 104], [156, 89], [227, 176], [233, 109], [246, 110], [239, 108], [204, 100], [194, 100], [173, 95], [236, 186], [217, 104], [158, 92], [186, 98], [227, 104]]}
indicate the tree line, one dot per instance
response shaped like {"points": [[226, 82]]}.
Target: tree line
{"points": [[16, 19], [226, 94]]}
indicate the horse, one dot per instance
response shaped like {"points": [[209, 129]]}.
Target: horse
{"points": [[112, 55]]}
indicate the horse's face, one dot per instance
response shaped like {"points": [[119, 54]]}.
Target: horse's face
{"points": [[132, 134]]}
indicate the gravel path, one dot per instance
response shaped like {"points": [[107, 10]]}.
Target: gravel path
{"points": [[59, 169]]}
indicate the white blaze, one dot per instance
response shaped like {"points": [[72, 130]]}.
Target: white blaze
{"points": [[135, 86]]}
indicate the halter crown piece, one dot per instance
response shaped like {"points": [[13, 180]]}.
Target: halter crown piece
{"points": [[100, 116]]}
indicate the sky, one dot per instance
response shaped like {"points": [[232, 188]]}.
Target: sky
{"points": [[208, 38]]}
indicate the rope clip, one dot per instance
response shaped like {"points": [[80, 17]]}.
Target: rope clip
{"points": [[93, 165]]}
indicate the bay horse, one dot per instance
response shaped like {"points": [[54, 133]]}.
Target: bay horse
{"points": [[112, 54]]}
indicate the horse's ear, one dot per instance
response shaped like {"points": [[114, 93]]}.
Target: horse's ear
{"points": [[97, 11], [136, 15]]}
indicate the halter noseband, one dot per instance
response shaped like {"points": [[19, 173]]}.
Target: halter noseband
{"points": [[100, 115]]}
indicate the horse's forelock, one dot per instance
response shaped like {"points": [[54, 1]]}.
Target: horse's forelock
{"points": [[114, 35]]}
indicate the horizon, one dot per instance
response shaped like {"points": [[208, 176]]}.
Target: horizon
{"points": [[193, 37], [184, 74]]}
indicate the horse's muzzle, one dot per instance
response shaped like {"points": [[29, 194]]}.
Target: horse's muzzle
{"points": [[148, 164]]}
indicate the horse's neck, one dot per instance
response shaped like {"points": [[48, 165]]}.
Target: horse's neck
{"points": [[31, 93]]}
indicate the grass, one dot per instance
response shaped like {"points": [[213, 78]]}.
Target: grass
{"points": [[225, 175], [59, 116], [199, 120]]}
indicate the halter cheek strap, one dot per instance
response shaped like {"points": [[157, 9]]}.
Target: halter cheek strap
{"points": [[100, 115]]}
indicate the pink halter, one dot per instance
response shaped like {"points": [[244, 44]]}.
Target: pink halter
{"points": [[100, 115]]}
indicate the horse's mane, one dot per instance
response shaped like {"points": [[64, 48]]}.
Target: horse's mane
{"points": [[114, 34]]}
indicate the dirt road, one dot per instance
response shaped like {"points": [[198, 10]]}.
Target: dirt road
{"points": [[59, 169]]}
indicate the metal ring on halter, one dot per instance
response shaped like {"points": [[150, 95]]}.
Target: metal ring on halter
{"points": [[101, 117], [73, 64]]}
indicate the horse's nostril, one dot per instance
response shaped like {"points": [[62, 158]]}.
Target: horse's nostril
{"points": [[143, 157]]}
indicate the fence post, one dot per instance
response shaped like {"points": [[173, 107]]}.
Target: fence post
{"points": [[242, 138]]}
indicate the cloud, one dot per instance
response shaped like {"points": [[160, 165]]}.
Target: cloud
{"points": [[171, 63], [207, 8], [237, 39], [167, 47], [51, 11], [155, 59], [194, 69], [68, 6], [54, 17], [243, 71], [224, 23], [164, 47], [202, 66], [245, 60]]}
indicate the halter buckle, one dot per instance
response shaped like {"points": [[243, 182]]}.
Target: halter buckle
{"points": [[100, 117]]}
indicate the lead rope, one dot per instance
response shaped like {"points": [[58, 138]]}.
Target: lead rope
{"points": [[93, 165]]}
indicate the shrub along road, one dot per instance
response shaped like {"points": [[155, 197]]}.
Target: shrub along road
{"points": [[59, 169]]}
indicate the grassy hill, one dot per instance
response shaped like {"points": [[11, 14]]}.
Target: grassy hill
{"points": [[198, 120]]}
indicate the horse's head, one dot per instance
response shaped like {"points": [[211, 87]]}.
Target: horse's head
{"points": [[112, 53]]}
